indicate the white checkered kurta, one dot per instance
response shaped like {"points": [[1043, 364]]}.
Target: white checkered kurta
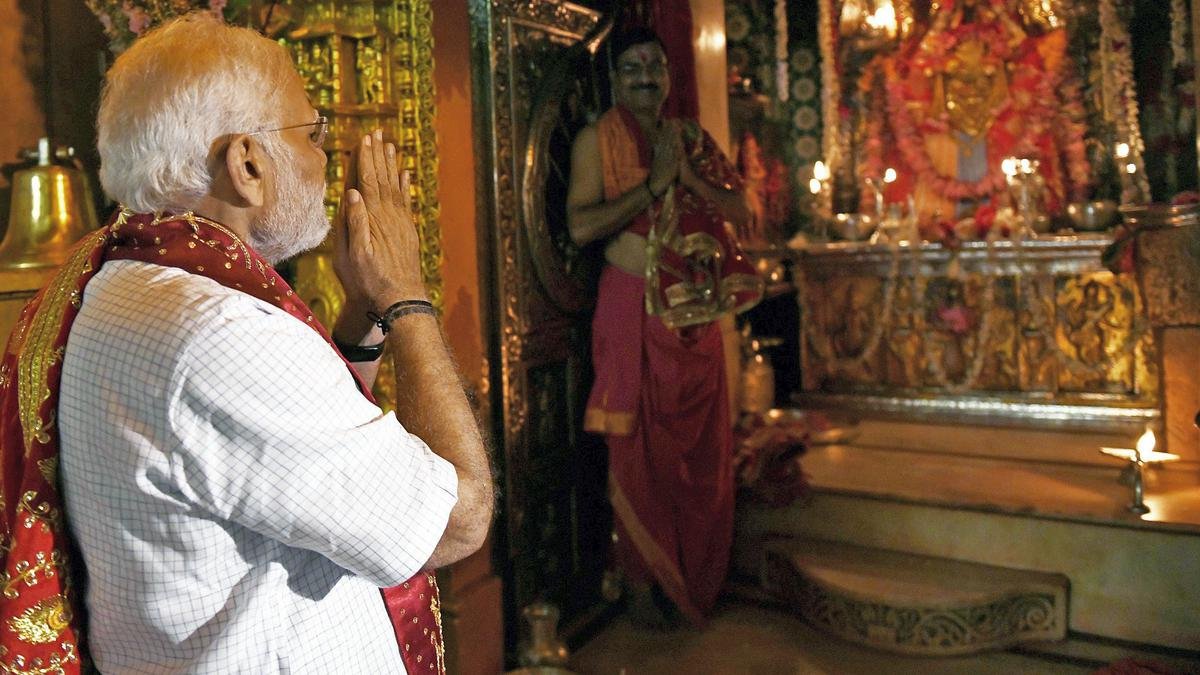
{"points": [[237, 501]]}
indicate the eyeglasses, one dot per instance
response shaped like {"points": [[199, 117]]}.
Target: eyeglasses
{"points": [[317, 136]]}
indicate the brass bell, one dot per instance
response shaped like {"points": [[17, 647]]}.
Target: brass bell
{"points": [[51, 209]]}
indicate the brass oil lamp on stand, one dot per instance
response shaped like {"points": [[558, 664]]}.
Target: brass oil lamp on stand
{"points": [[1141, 456]]}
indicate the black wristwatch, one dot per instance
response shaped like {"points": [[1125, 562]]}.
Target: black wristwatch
{"points": [[360, 353]]}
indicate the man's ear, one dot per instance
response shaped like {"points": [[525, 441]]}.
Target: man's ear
{"points": [[246, 164]]}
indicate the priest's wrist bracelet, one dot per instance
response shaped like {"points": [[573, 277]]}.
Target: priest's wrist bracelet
{"points": [[399, 309]]}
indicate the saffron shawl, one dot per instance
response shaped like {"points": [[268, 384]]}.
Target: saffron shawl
{"points": [[696, 272]]}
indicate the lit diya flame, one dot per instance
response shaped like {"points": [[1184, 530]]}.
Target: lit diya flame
{"points": [[1143, 452]]}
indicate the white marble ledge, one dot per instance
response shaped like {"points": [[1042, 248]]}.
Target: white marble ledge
{"points": [[1060, 491]]}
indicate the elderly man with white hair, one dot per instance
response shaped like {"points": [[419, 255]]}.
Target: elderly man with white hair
{"points": [[234, 499]]}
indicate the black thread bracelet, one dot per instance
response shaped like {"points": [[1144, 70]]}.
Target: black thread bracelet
{"points": [[399, 309]]}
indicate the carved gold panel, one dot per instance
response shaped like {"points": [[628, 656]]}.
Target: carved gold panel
{"points": [[1036, 332], [1167, 262]]}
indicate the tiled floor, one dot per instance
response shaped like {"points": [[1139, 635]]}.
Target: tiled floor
{"points": [[747, 639]]}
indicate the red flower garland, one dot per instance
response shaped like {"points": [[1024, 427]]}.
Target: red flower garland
{"points": [[1039, 119]]}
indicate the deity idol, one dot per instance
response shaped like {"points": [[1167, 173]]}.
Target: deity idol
{"points": [[985, 80]]}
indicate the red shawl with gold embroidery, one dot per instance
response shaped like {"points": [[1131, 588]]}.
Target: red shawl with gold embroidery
{"points": [[41, 611]]}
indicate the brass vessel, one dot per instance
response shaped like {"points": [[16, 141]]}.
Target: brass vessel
{"points": [[51, 209]]}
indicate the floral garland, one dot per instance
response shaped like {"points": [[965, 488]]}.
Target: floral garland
{"points": [[908, 140], [1180, 21], [833, 139], [982, 337], [781, 51], [1069, 131], [125, 20], [1049, 102], [833, 363], [1119, 93]]}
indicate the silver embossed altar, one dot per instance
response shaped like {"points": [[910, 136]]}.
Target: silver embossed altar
{"points": [[1032, 332]]}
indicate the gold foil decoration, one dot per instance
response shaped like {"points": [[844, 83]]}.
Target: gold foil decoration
{"points": [[42, 623]]}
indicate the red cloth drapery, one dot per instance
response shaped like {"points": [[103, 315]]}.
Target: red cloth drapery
{"points": [[731, 285], [41, 602], [660, 400], [660, 394]]}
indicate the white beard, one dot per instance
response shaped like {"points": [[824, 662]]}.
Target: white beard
{"points": [[296, 221]]}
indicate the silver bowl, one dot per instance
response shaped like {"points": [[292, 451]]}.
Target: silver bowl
{"points": [[1093, 216], [853, 226]]}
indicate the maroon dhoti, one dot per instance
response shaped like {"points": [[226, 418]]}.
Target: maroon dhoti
{"points": [[660, 401]]}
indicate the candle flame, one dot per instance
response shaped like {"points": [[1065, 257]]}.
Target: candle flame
{"points": [[889, 176], [1145, 444], [820, 171], [1009, 166], [1131, 168], [1122, 150], [814, 186]]}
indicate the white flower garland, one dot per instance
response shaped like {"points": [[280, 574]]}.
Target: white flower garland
{"points": [[1179, 33], [834, 364], [831, 94], [1120, 97], [982, 337]]}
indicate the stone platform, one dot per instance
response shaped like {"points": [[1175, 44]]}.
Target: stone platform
{"points": [[911, 604], [1038, 501]]}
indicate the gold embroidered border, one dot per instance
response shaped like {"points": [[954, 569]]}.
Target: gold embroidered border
{"points": [[439, 637], [36, 356], [56, 663], [42, 623], [607, 422]]}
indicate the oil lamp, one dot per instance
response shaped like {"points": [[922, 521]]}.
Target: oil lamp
{"points": [[1139, 457]]}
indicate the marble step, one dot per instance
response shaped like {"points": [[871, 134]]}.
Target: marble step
{"points": [[914, 604], [1132, 577]]}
